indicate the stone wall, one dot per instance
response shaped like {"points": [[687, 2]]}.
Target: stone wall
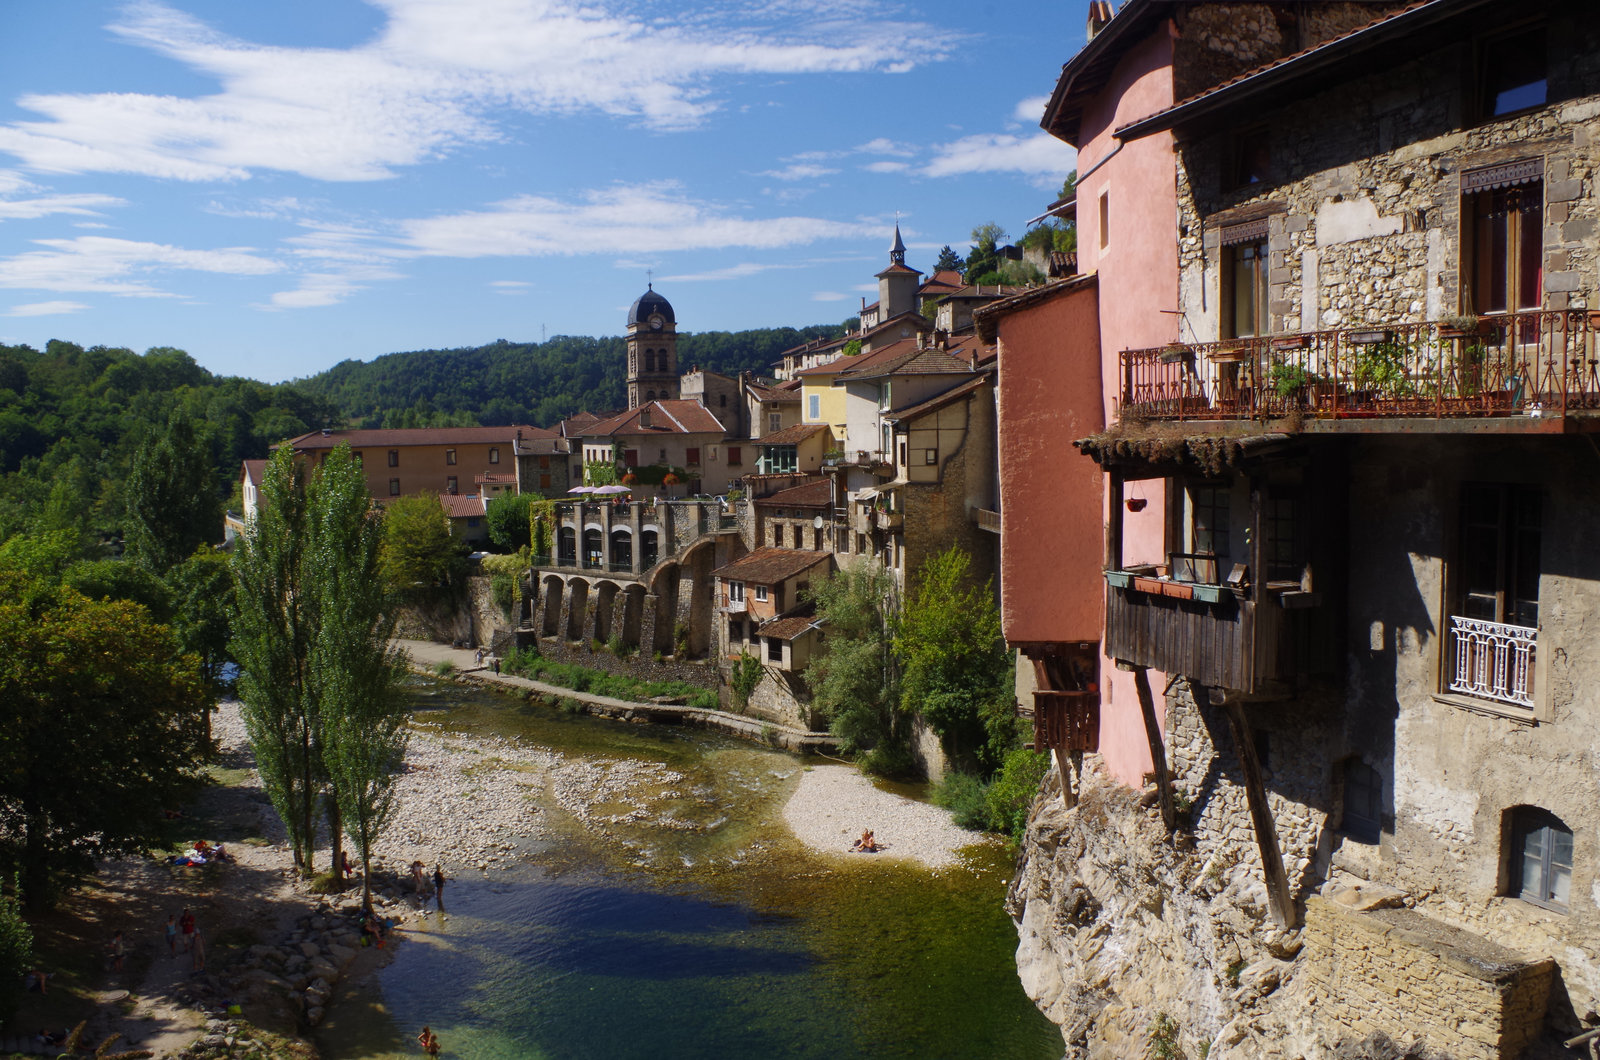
{"points": [[638, 665]]}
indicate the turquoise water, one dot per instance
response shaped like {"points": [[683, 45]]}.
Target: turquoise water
{"points": [[728, 940]]}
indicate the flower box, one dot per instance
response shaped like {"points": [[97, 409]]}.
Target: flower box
{"points": [[1118, 579]]}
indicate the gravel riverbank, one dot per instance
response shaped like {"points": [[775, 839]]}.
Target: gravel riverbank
{"points": [[835, 803]]}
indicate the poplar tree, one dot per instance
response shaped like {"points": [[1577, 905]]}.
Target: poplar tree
{"points": [[172, 499]]}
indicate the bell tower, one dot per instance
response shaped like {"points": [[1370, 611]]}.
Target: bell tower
{"points": [[652, 350]]}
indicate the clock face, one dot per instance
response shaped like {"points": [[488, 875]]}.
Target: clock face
{"points": [[656, 321]]}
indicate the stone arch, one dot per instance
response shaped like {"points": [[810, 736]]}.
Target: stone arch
{"points": [[593, 546], [650, 395], [550, 608], [577, 604], [649, 547], [605, 597], [567, 546], [665, 587], [621, 551], [649, 360], [632, 614]]}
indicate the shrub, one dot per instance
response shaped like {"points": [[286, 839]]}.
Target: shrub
{"points": [[966, 797], [1164, 1038], [16, 954], [746, 675], [615, 646], [504, 589], [571, 706], [1013, 791], [444, 667]]}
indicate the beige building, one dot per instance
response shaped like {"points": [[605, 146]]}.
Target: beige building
{"points": [[398, 463]]}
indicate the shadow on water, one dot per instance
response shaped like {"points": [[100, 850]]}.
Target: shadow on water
{"points": [[725, 942]]}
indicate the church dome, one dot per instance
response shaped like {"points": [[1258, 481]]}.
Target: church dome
{"points": [[649, 303]]}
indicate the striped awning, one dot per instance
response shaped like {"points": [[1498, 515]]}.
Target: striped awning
{"points": [[1244, 232]]}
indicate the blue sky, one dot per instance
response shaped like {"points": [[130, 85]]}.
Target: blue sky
{"points": [[275, 187]]}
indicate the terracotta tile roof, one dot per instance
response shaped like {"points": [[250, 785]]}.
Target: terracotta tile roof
{"points": [[675, 416], [769, 566], [810, 495], [938, 401], [791, 435], [379, 438], [900, 270], [496, 478], [790, 624], [462, 505], [574, 425], [905, 358], [772, 394]]}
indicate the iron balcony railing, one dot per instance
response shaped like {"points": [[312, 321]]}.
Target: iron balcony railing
{"points": [[1519, 364], [1493, 660]]}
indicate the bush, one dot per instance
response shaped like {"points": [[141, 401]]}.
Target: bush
{"points": [[16, 954], [747, 672], [1013, 791], [504, 588], [615, 646], [966, 797], [444, 667]]}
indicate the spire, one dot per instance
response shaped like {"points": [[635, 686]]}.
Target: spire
{"points": [[897, 253]]}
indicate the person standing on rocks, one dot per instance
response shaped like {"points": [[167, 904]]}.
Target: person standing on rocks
{"points": [[186, 925], [438, 885], [199, 952]]}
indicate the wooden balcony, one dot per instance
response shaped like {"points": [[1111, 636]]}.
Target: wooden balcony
{"points": [[1523, 370]]}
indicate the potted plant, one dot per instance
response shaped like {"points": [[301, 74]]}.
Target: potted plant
{"points": [[1459, 327], [1176, 351]]}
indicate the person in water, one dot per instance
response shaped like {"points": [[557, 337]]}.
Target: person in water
{"points": [[429, 1042]]}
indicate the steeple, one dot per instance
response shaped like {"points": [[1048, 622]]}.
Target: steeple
{"points": [[897, 253]]}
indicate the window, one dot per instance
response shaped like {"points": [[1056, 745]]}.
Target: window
{"points": [[883, 397], [472, 522], [1504, 244], [736, 592], [1499, 577], [930, 456], [394, 487], [1244, 305], [735, 630], [777, 535], [861, 544], [357, 456], [1363, 802], [494, 454], [1105, 218], [1541, 858], [814, 407], [1284, 554], [630, 458], [722, 400], [544, 482], [774, 650], [735, 456], [450, 484], [544, 463], [650, 395], [691, 456], [842, 540], [1249, 158], [649, 360], [761, 594], [781, 459], [394, 458], [1208, 522], [775, 420], [1513, 70], [449, 456], [816, 539]]}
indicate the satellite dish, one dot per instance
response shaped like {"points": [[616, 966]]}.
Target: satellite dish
{"points": [[817, 523]]}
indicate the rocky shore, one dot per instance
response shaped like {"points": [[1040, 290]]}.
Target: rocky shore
{"points": [[835, 803]]}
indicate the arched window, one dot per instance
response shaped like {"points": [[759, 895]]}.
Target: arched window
{"points": [[649, 360], [1541, 858], [650, 395]]}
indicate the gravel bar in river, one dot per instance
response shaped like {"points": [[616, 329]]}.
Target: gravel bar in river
{"points": [[834, 804]]}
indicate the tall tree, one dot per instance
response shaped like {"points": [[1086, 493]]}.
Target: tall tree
{"points": [[983, 260], [418, 553], [274, 618], [99, 730], [508, 516], [202, 596], [854, 683], [172, 498], [949, 260], [355, 674]]}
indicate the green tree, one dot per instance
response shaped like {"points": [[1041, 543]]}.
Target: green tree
{"points": [[508, 516], [957, 672], [854, 683], [172, 496], [202, 595], [949, 260], [274, 620], [115, 579], [599, 473], [99, 730], [983, 260], [354, 674], [16, 954], [418, 553]]}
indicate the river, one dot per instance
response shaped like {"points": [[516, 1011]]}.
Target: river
{"points": [[703, 930]]}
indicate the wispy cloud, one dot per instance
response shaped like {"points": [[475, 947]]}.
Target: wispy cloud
{"points": [[830, 296], [45, 309], [21, 200], [120, 266], [798, 171], [732, 272], [1039, 156], [887, 167], [1031, 110], [434, 80]]}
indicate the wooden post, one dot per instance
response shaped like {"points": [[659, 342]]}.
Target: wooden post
{"points": [[1114, 522], [1278, 901], [1158, 747]]}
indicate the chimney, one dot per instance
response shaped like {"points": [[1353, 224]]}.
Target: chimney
{"points": [[1100, 14]]}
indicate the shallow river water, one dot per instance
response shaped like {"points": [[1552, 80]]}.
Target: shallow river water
{"points": [[702, 930]]}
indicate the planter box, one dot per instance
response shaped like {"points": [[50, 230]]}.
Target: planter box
{"points": [[1209, 594], [1119, 579], [1292, 342], [1176, 353], [1148, 585]]}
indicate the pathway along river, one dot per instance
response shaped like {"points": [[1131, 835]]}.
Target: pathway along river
{"points": [[700, 928]]}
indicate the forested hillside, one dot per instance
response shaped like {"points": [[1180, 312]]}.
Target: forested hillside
{"points": [[72, 419], [539, 383]]}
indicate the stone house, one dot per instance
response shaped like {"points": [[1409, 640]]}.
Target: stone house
{"points": [[1346, 508], [401, 462], [770, 408], [761, 596], [467, 514], [675, 433], [722, 395]]}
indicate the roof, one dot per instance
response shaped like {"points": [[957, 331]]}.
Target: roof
{"points": [[1269, 79], [462, 505], [988, 316], [254, 470], [772, 394], [670, 416], [543, 446], [938, 401], [898, 269], [791, 623], [817, 494], [791, 435], [903, 358], [648, 303], [491, 478], [574, 425], [1086, 73], [769, 566], [379, 438]]}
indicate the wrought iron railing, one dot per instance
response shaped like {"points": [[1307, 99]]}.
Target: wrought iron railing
{"points": [[1492, 660], [1520, 364]]}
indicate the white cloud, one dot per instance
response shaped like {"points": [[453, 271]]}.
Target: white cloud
{"points": [[22, 200], [45, 309], [647, 218], [510, 285], [884, 146], [1031, 110], [433, 79], [120, 266], [798, 171], [886, 167], [829, 296], [1040, 155], [732, 272]]}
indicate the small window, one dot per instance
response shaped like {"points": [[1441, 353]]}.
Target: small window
{"points": [[1541, 858], [777, 535], [774, 650], [814, 407], [1514, 72], [735, 456], [1363, 802], [775, 421], [472, 522], [735, 630], [449, 456], [722, 400], [1105, 219], [692, 456], [494, 454], [736, 592], [1249, 159], [394, 487], [394, 458], [761, 594], [1245, 305], [1209, 513], [450, 485], [650, 361], [544, 463], [544, 482], [861, 544], [930, 456]]}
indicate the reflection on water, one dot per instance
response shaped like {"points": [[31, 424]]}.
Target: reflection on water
{"points": [[720, 939]]}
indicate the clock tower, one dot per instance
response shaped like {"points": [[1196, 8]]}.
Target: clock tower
{"points": [[652, 350]]}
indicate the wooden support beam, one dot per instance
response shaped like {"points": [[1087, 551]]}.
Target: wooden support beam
{"points": [[1158, 748], [1279, 902], [1114, 521]]}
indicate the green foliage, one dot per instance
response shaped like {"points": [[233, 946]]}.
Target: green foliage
{"points": [[16, 954], [949, 260], [1164, 1038], [418, 556], [444, 667], [505, 579], [854, 683], [966, 797], [1011, 795], [173, 501], [616, 646], [1235, 969], [535, 667], [202, 599], [503, 587], [509, 517], [957, 670], [746, 675], [1381, 367], [99, 730], [600, 473], [111, 579]]}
